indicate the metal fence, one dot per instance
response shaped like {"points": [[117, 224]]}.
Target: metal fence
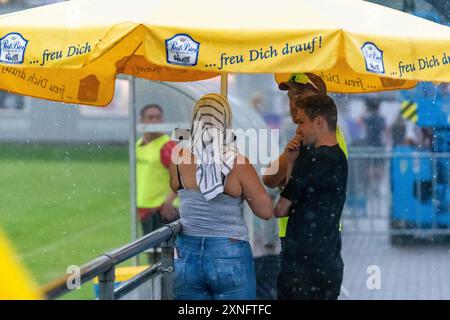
{"points": [[156, 282], [368, 199], [400, 193]]}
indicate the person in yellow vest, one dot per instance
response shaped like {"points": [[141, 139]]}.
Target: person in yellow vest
{"points": [[15, 282], [156, 203], [299, 87]]}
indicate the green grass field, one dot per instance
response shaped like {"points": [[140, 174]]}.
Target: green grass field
{"points": [[64, 205]]}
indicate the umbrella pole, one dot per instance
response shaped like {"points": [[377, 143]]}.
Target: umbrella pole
{"points": [[132, 159], [224, 84]]}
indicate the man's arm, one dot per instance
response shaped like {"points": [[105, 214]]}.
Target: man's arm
{"points": [[170, 197], [277, 179], [285, 163], [168, 211], [290, 192]]}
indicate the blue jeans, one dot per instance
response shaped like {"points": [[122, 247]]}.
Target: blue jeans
{"points": [[213, 268]]}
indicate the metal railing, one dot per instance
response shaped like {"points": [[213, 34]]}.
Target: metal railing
{"points": [[105, 265]]}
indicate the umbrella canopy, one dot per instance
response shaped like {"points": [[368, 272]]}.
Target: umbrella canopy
{"points": [[72, 51]]}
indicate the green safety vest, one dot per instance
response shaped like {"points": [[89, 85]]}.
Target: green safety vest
{"points": [[282, 222]]}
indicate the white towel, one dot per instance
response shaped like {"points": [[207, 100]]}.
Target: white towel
{"points": [[212, 143]]}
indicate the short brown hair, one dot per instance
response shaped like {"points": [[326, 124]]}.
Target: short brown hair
{"points": [[320, 105]]}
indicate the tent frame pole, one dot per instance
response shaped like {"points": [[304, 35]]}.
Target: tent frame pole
{"points": [[132, 160], [224, 84]]}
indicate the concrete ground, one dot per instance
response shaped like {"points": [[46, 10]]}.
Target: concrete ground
{"points": [[374, 269]]}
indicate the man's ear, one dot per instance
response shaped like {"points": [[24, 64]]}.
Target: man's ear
{"points": [[319, 122]]}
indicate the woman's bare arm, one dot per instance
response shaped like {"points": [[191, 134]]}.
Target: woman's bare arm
{"points": [[253, 191]]}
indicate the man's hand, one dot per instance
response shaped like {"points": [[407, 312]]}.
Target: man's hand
{"points": [[284, 165], [282, 207], [168, 212], [292, 149]]}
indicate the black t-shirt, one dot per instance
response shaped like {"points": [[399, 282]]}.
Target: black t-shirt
{"points": [[317, 189]]}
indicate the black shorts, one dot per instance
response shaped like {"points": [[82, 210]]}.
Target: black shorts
{"points": [[307, 285]]}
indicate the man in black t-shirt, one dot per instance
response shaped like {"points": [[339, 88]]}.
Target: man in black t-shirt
{"points": [[312, 266]]}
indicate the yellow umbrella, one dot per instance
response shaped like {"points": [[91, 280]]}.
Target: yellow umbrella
{"points": [[72, 51]]}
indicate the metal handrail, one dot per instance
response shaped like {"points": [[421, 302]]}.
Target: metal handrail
{"points": [[104, 265], [133, 283]]}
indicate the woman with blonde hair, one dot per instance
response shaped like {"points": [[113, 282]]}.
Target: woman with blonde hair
{"points": [[214, 258]]}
